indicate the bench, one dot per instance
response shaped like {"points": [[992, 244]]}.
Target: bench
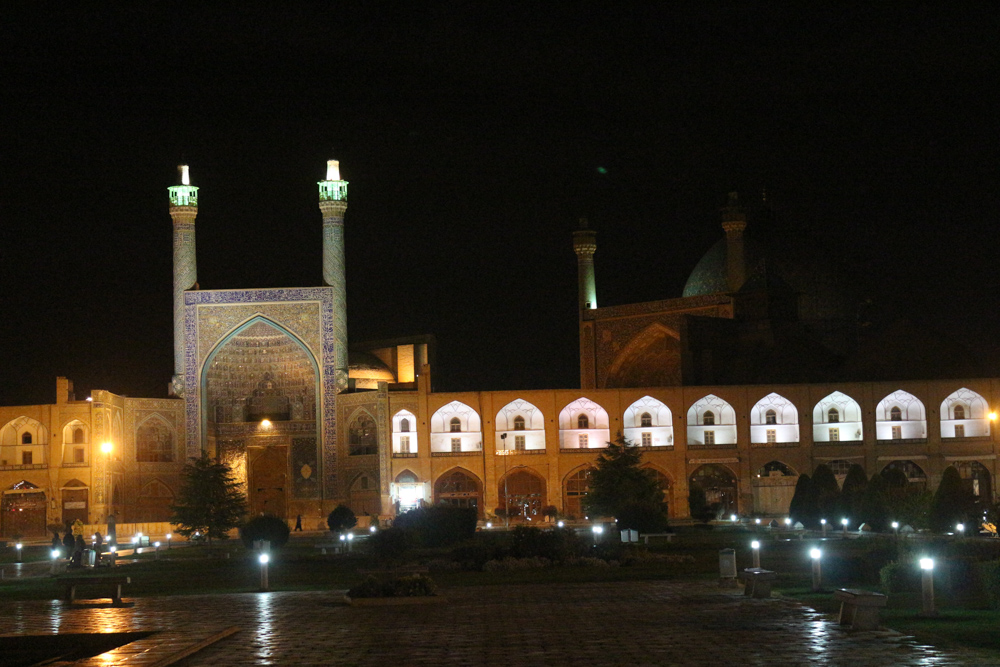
{"points": [[646, 536], [757, 582], [111, 585], [859, 608]]}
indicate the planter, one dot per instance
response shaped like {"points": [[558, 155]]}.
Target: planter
{"points": [[394, 601]]}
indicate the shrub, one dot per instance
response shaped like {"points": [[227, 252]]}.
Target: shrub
{"points": [[510, 564], [417, 585], [899, 577], [265, 527], [341, 519], [439, 526], [989, 580], [643, 516], [391, 543]]}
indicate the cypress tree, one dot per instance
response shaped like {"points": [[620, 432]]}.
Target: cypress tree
{"points": [[952, 504], [873, 508], [827, 493], [853, 491], [803, 507]]}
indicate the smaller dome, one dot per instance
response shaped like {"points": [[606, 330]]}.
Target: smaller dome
{"points": [[366, 366]]}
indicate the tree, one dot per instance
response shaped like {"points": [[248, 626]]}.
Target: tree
{"points": [[211, 501], [341, 519], [952, 504], [853, 491], [620, 488], [874, 508], [827, 493], [804, 507]]}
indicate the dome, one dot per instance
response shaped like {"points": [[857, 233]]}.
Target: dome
{"points": [[366, 366], [709, 275]]}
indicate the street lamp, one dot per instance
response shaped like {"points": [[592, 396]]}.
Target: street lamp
{"points": [[106, 448], [816, 554], [156, 551], [598, 531], [18, 547], [755, 545], [263, 558], [895, 527], [169, 535], [506, 496], [843, 522], [960, 528], [823, 523], [927, 586]]}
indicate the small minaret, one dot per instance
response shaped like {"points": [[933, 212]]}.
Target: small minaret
{"points": [[333, 205], [734, 221], [585, 245], [183, 210]]}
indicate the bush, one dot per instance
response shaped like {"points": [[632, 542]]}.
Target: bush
{"points": [[645, 517], [900, 577], [417, 585], [989, 580], [439, 526], [510, 564], [341, 519], [391, 543], [265, 527]]}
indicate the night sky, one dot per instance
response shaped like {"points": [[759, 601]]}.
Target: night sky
{"points": [[473, 138]]}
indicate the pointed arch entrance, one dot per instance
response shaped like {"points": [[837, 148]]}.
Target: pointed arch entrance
{"points": [[720, 487], [22, 511], [522, 494], [459, 488], [268, 482]]}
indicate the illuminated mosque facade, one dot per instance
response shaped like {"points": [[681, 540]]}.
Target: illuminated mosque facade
{"points": [[737, 386]]}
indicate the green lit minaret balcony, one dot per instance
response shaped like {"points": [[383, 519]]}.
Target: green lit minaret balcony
{"points": [[332, 189], [184, 194]]}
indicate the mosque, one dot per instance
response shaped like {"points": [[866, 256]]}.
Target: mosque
{"points": [[757, 372]]}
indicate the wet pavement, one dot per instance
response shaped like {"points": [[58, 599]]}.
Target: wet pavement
{"points": [[630, 623]]}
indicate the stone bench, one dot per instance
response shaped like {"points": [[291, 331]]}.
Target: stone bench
{"points": [[110, 585], [646, 536], [859, 608], [757, 582]]}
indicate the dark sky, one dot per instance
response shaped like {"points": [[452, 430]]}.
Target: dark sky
{"points": [[474, 137]]}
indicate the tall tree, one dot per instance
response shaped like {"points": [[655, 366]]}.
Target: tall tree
{"points": [[953, 503], [804, 507], [827, 493], [211, 501], [874, 508], [853, 491], [620, 488]]}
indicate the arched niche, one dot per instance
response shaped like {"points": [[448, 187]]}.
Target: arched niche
{"points": [[155, 441], [75, 448], [583, 424], [522, 494], [456, 428], [576, 485], [910, 476], [651, 359], [407, 491], [900, 416], [711, 422], [837, 418], [23, 442], [773, 488], [524, 425], [964, 414], [649, 423], [773, 420], [977, 479], [404, 433], [720, 488], [460, 488], [362, 434]]}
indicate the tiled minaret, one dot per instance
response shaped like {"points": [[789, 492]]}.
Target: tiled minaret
{"points": [[734, 222], [333, 205], [183, 210], [585, 245]]}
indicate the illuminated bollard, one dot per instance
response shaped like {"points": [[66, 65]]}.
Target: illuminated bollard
{"points": [[927, 586], [895, 528], [113, 550], [560, 524], [264, 558], [169, 535], [727, 568], [18, 547], [843, 522], [55, 562], [960, 530], [733, 518], [597, 531], [350, 541], [156, 551], [755, 545], [823, 523], [816, 555]]}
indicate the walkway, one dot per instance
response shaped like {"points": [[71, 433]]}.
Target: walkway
{"points": [[633, 623]]}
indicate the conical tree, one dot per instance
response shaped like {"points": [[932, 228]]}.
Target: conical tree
{"points": [[853, 491], [827, 493], [952, 504], [620, 488], [873, 508], [211, 501], [804, 507]]}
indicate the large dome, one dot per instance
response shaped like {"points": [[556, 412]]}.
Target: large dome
{"points": [[368, 369]]}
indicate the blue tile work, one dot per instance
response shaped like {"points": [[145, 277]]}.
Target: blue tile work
{"points": [[324, 296]]}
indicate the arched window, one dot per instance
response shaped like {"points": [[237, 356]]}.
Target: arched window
{"points": [[577, 486], [154, 442], [709, 418], [959, 412], [895, 414], [770, 417], [646, 419], [404, 425], [78, 438], [519, 423], [363, 436], [582, 422], [833, 416], [456, 425], [25, 438]]}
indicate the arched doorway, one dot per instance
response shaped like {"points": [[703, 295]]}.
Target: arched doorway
{"points": [[23, 511], [74, 502], [719, 486], [976, 479], [459, 489], [522, 494], [268, 480], [575, 488], [773, 488], [364, 495]]}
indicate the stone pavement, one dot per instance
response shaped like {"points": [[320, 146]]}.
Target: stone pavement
{"points": [[630, 623]]}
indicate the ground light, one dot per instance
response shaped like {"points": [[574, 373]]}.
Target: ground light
{"points": [[732, 517], [263, 558], [561, 524], [817, 573], [788, 521], [372, 529], [755, 545], [169, 535], [895, 527], [960, 529], [489, 524], [823, 523], [843, 522], [598, 531], [55, 561], [156, 551], [350, 541], [113, 550], [927, 586], [18, 547]]}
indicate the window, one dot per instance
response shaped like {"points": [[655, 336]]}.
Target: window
{"points": [[456, 425], [647, 439], [959, 430], [519, 443], [78, 455], [582, 422], [897, 432], [772, 436], [404, 425], [646, 419], [834, 435], [404, 444], [709, 418], [770, 417], [896, 414], [26, 458], [959, 412], [363, 436], [833, 416], [78, 436], [154, 443], [519, 423], [584, 440], [25, 438], [456, 444], [709, 437]]}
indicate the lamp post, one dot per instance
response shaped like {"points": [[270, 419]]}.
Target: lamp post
{"points": [[506, 496], [927, 586], [823, 523], [816, 555], [156, 551], [843, 522], [55, 562], [755, 545], [263, 558], [895, 527], [169, 535], [598, 531], [106, 448], [960, 529], [18, 547]]}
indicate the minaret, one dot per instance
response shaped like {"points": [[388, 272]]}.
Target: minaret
{"points": [[585, 245], [333, 204], [734, 221], [183, 210]]}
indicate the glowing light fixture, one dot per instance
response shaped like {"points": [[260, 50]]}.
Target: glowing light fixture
{"points": [[561, 524], [732, 517], [264, 559], [788, 520], [755, 545], [960, 528], [184, 194], [265, 423], [926, 563], [993, 416], [815, 554], [106, 447], [333, 188]]}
